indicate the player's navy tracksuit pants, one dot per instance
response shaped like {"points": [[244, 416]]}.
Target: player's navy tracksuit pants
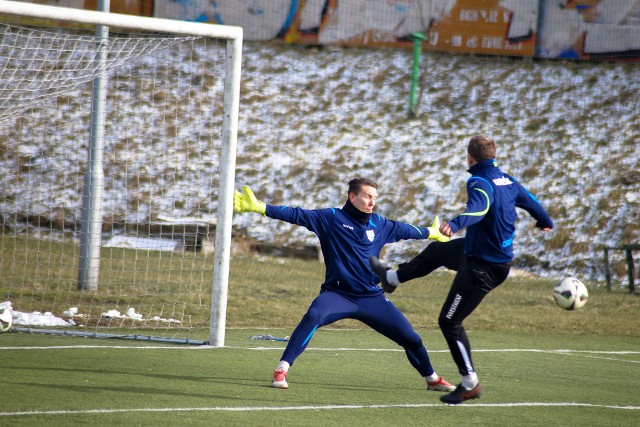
{"points": [[474, 280], [374, 311]]}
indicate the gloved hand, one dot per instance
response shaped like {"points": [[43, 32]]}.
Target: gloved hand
{"points": [[247, 202], [434, 231]]}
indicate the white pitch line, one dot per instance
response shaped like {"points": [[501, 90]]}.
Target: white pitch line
{"points": [[613, 359], [315, 408], [119, 347], [279, 348]]}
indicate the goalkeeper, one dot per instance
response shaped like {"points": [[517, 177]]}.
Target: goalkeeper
{"points": [[348, 237]]}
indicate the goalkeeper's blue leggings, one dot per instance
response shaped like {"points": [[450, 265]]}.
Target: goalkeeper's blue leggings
{"points": [[376, 312]]}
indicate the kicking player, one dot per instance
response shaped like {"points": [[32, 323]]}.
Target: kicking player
{"points": [[348, 237], [481, 259]]}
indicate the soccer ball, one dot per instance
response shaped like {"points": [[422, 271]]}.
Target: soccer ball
{"points": [[6, 319], [570, 294]]}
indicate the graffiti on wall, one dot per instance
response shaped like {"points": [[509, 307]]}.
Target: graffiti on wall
{"points": [[495, 27], [359, 22], [576, 29], [586, 29], [579, 29], [260, 19]]}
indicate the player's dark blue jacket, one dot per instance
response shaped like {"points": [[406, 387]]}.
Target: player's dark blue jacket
{"points": [[490, 215], [347, 244]]}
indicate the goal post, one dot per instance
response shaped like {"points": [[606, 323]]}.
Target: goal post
{"points": [[229, 123]]}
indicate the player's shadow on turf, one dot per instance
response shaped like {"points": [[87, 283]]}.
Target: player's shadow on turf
{"points": [[240, 380], [95, 373], [83, 388]]}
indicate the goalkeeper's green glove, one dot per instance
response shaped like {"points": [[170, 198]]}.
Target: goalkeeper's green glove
{"points": [[434, 231], [247, 202]]}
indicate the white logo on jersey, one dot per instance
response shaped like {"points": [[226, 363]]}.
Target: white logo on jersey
{"points": [[502, 181], [370, 235], [347, 226]]}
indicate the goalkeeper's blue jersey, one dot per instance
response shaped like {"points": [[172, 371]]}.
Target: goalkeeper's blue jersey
{"points": [[490, 215], [347, 244]]}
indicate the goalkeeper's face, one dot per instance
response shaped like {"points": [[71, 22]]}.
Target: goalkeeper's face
{"points": [[365, 200]]}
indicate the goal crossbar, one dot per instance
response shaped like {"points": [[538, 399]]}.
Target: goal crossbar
{"points": [[234, 37], [227, 32]]}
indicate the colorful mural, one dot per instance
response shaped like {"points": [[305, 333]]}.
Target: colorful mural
{"points": [[573, 29], [590, 29], [495, 27], [260, 19]]}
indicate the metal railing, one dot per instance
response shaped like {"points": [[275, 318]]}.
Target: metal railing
{"points": [[630, 264]]}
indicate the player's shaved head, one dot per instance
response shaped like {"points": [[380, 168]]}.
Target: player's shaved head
{"points": [[481, 148]]}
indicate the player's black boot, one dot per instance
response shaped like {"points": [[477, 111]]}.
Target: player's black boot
{"points": [[460, 394], [381, 272]]}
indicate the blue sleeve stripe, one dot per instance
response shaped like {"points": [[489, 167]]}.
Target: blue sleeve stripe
{"points": [[533, 197], [373, 224], [478, 177]]}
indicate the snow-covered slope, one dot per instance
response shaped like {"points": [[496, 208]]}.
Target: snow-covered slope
{"points": [[311, 119], [570, 132]]}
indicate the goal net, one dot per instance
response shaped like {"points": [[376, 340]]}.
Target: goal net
{"points": [[165, 139]]}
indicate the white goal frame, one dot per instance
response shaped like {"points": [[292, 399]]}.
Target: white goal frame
{"points": [[234, 37]]}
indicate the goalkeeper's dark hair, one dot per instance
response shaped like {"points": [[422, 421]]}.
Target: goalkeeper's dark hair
{"points": [[356, 184], [481, 148]]}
